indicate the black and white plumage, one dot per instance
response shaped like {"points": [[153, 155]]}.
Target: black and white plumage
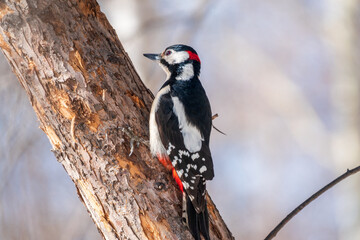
{"points": [[180, 125]]}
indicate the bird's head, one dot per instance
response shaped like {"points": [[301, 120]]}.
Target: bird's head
{"points": [[179, 61]]}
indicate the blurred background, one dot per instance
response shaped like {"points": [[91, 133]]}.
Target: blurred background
{"points": [[283, 77]]}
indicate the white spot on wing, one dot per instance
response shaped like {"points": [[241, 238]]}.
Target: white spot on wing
{"points": [[183, 152], [188, 167], [156, 146], [170, 148], [180, 173], [175, 161], [202, 169], [191, 134], [195, 156]]}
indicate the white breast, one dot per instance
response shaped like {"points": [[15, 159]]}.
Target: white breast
{"points": [[156, 146]]}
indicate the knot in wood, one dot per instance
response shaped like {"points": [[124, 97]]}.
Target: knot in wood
{"points": [[159, 186]]}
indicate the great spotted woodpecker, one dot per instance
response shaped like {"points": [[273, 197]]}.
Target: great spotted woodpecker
{"points": [[180, 125]]}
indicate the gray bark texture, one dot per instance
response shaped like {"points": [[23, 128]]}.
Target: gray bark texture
{"points": [[93, 107]]}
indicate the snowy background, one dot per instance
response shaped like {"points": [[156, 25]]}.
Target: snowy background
{"points": [[282, 75]]}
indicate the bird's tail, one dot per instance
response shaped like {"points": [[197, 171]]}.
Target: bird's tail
{"points": [[198, 223]]}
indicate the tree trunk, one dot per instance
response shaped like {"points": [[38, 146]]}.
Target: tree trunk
{"points": [[93, 107]]}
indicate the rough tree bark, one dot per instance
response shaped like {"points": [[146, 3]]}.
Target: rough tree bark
{"points": [[92, 105]]}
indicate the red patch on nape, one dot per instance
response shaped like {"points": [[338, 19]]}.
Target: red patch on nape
{"points": [[177, 180], [193, 56]]}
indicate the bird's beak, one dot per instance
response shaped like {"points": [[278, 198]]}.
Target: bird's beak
{"points": [[154, 57]]}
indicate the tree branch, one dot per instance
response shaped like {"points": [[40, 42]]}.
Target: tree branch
{"points": [[275, 231]]}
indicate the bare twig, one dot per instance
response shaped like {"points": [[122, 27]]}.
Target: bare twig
{"points": [[212, 118], [348, 173], [218, 130]]}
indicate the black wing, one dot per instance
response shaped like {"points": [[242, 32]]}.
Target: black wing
{"points": [[193, 168]]}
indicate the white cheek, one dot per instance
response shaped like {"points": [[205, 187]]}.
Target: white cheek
{"points": [[176, 57]]}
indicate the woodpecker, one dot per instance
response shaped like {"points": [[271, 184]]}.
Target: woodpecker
{"points": [[180, 125]]}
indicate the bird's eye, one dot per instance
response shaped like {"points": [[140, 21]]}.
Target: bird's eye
{"points": [[168, 52]]}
